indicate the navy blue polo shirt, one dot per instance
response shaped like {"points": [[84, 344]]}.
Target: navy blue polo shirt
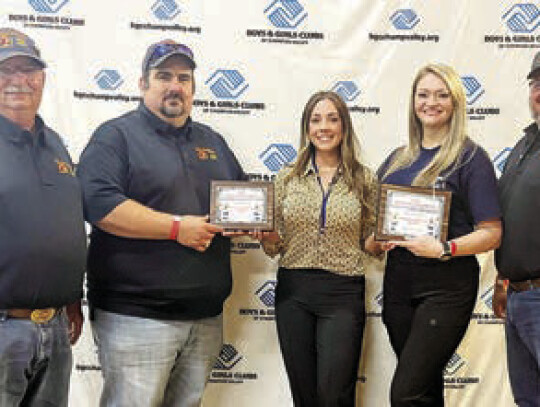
{"points": [[138, 156], [42, 233]]}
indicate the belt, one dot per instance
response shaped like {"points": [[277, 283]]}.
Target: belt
{"points": [[39, 316], [525, 285]]}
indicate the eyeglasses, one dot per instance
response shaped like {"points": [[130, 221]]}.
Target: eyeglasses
{"points": [[26, 70], [163, 49], [535, 85]]}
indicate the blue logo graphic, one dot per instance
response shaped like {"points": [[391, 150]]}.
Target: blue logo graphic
{"points": [[277, 155], [455, 363], [228, 358], [165, 9], [347, 90], [404, 19], [108, 79], [473, 88], [500, 159], [522, 18], [267, 293], [47, 6], [227, 83], [286, 14], [487, 297]]}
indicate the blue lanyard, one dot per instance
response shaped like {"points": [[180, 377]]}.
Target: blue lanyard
{"points": [[326, 195]]}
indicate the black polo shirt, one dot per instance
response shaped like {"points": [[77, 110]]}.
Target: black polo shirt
{"points": [[42, 237], [138, 156], [518, 258]]}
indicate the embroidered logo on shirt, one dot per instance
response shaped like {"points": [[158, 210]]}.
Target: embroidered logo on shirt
{"points": [[12, 40], [205, 154], [64, 167]]}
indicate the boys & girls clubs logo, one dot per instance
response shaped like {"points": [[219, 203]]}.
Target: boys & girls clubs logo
{"points": [[47, 14], [285, 19]]}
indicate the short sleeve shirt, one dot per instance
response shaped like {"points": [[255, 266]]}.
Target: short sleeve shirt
{"points": [[472, 183], [42, 234]]}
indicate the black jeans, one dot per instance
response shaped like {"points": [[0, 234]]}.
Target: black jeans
{"points": [[320, 321], [426, 310]]}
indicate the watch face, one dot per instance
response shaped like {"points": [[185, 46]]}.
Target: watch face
{"points": [[447, 250]]}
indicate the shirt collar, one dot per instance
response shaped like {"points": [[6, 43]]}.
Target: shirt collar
{"points": [[17, 134], [311, 167], [532, 128], [531, 133], [162, 127]]}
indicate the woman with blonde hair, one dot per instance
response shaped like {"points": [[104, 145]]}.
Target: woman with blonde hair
{"points": [[324, 210], [430, 287]]}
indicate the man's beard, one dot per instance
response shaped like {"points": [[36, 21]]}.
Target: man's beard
{"points": [[173, 111]]}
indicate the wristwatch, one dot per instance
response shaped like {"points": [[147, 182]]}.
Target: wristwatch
{"points": [[447, 251]]}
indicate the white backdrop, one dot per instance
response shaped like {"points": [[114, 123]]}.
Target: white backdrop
{"points": [[270, 55]]}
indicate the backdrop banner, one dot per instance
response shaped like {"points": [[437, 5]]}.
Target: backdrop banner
{"points": [[258, 61]]}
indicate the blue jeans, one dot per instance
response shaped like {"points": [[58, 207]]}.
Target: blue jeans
{"points": [[523, 346], [150, 362], [35, 362]]}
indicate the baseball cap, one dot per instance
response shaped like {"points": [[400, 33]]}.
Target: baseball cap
{"points": [[157, 53], [14, 43], [535, 67]]}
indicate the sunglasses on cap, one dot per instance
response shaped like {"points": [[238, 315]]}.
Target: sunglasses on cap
{"points": [[162, 50]]}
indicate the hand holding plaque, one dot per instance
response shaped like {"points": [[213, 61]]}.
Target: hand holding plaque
{"points": [[407, 212], [242, 205]]}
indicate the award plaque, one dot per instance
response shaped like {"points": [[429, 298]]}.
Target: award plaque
{"points": [[407, 212], [242, 205]]}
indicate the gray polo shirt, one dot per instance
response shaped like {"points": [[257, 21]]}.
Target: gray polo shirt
{"points": [[42, 237]]}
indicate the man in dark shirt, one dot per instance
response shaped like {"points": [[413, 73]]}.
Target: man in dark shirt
{"points": [[42, 238], [158, 271], [517, 286]]}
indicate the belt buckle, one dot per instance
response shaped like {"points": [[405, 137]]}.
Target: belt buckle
{"points": [[40, 316]]}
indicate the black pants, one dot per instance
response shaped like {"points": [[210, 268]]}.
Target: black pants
{"points": [[426, 311], [320, 321]]}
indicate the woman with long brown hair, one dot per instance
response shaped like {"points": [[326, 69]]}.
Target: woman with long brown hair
{"points": [[324, 210]]}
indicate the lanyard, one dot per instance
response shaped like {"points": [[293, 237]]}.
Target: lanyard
{"points": [[325, 196]]}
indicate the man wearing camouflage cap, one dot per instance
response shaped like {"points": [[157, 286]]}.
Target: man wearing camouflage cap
{"points": [[42, 238]]}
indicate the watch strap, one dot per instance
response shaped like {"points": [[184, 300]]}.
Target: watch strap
{"points": [[447, 250]]}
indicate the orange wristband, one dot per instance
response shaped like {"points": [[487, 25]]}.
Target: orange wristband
{"points": [[175, 227]]}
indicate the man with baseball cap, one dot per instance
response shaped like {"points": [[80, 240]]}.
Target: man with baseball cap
{"points": [[517, 286], [42, 238], [158, 271]]}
